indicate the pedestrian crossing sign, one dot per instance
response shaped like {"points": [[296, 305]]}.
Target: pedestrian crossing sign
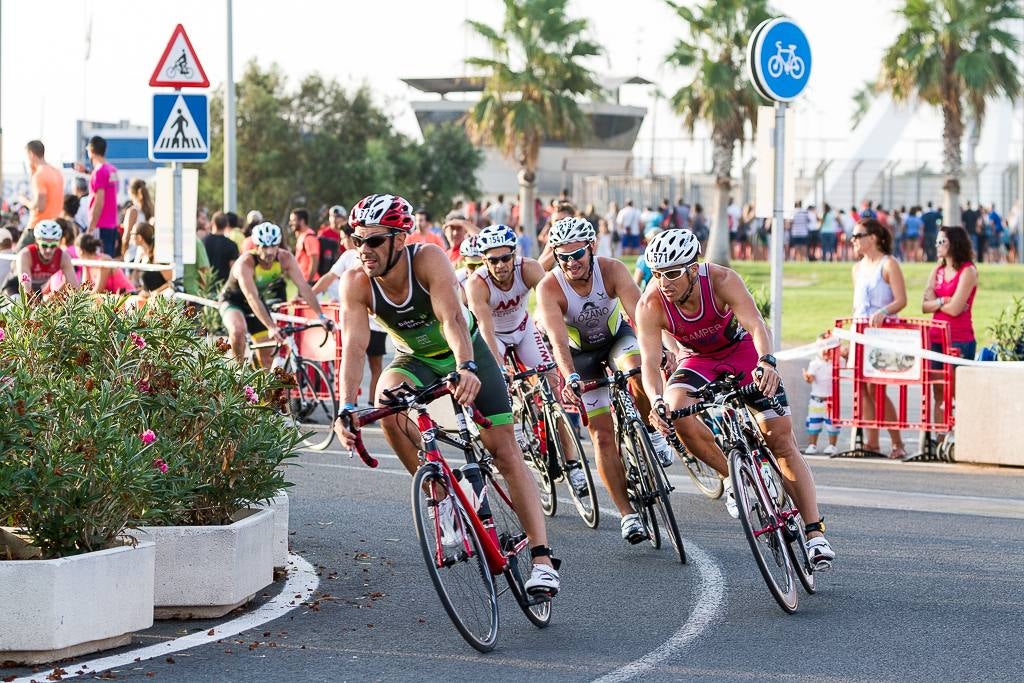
{"points": [[181, 128]]}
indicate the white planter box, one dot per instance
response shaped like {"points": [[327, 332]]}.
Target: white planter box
{"points": [[279, 504], [54, 609], [987, 427], [204, 572]]}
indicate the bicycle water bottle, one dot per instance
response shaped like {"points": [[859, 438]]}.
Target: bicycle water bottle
{"points": [[768, 475], [521, 438], [472, 483], [278, 362]]}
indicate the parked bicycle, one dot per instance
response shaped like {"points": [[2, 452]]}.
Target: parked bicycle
{"points": [[647, 485], [771, 523], [486, 538], [550, 444], [312, 400]]}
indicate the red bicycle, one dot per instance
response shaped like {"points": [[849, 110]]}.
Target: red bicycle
{"points": [[467, 535]]}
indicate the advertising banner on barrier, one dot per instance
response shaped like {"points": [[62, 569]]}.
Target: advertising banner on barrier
{"points": [[886, 364]]}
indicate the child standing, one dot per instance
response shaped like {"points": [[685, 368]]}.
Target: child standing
{"points": [[819, 375]]}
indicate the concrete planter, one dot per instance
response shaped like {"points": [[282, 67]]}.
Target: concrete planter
{"points": [[204, 572], [989, 414], [279, 504], [71, 606]]}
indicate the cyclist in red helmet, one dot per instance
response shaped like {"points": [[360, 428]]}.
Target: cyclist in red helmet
{"points": [[413, 292]]}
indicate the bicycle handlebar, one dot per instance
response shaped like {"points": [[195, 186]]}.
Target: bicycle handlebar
{"points": [[722, 391], [539, 370], [399, 399], [290, 330]]}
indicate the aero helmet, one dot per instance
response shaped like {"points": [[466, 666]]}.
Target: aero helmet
{"points": [[671, 248], [48, 231], [494, 236], [385, 210], [571, 229], [470, 249], [266, 235]]}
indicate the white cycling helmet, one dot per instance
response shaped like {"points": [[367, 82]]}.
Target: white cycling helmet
{"points": [[494, 236], [48, 231], [672, 248], [266, 235], [571, 229], [470, 249]]}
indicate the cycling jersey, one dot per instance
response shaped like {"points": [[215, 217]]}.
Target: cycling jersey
{"points": [[270, 284], [41, 271], [513, 326], [592, 320]]}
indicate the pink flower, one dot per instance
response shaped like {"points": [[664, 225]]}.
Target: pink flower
{"points": [[159, 464], [26, 279], [148, 436], [144, 386], [251, 395], [138, 340], [2, 334]]}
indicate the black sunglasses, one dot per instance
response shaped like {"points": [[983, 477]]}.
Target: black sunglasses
{"points": [[572, 255], [373, 241], [858, 235], [500, 259]]}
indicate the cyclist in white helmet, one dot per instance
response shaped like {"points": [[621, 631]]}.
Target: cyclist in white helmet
{"points": [[471, 258], [581, 304], [498, 296], [40, 261], [707, 309], [257, 279]]}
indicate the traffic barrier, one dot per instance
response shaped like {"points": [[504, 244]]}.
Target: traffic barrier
{"points": [[891, 355], [327, 356]]}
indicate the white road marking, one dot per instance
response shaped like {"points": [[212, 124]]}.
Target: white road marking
{"points": [[302, 580]]}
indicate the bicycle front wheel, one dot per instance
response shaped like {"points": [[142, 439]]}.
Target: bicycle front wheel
{"points": [[660, 490], [516, 548], [558, 431], [459, 569], [638, 484], [767, 543], [313, 403], [524, 413], [797, 546]]}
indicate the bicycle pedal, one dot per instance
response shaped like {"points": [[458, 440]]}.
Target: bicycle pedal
{"points": [[636, 539], [821, 566]]}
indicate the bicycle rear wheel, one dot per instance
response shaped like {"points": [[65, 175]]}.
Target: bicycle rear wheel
{"points": [[515, 547], [638, 485], [524, 414], [557, 422], [313, 403], [768, 545], [660, 490], [704, 477], [459, 572]]}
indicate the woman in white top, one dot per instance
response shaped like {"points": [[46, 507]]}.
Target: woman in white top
{"points": [[141, 211], [879, 291], [604, 239]]}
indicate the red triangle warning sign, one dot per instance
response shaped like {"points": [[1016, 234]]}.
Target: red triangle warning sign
{"points": [[179, 66]]}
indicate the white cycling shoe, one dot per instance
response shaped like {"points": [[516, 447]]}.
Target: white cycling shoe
{"points": [[446, 509], [820, 553], [543, 579], [730, 499], [633, 529], [578, 480], [661, 449]]}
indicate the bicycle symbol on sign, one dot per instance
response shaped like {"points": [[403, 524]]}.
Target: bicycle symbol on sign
{"points": [[180, 66], [785, 61]]}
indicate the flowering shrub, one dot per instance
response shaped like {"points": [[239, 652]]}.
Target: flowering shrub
{"points": [[111, 418]]}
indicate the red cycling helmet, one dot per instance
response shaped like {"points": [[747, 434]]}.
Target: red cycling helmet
{"points": [[385, 210]]}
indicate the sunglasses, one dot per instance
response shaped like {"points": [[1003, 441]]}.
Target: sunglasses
{"points": [[673, 274], [940, 243], [858, 235], [500, 259], [572, 255], [373, 241], [473, 265], [48, 245]]}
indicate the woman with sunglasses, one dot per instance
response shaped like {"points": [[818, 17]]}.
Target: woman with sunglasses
{"points": [[708, 311], [879, 292], [583, 304], [950, 296], [40, 261]]}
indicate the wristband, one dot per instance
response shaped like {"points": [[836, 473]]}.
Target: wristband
{"points": [[349, 407], [574, 377]]}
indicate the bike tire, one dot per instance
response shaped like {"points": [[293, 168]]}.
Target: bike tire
{"points": [[661, 492], [524, 413], [513, 544], [704, 477], [587, 506], [796, 544], [313, 406], [637, 485], [770, 554], [465, 587]]}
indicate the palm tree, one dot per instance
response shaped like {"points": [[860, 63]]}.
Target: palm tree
{"points": [[720, 93], [954, 53], [862, 100], [532, 81]]}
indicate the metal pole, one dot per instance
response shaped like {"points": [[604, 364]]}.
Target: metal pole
{"points": [[179, 266], [1020, 180], [230, 152], [778, 223]]}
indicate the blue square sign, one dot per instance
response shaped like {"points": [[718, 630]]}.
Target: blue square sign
{"points": [[180, 129]]}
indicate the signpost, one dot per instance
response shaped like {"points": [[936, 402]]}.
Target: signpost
{"points": [[180, 129], [779, 64]]}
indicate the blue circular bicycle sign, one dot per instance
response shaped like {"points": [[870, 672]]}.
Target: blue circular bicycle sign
{"points": [[779, 59]]}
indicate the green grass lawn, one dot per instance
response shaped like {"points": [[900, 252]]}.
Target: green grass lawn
{"points": [[815, 294]]}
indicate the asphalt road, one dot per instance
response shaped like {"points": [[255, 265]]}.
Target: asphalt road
{"points": [[928, 585]]}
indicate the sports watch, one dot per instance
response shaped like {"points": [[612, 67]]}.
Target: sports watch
{"points": [[768, 359], [468, 365]]}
